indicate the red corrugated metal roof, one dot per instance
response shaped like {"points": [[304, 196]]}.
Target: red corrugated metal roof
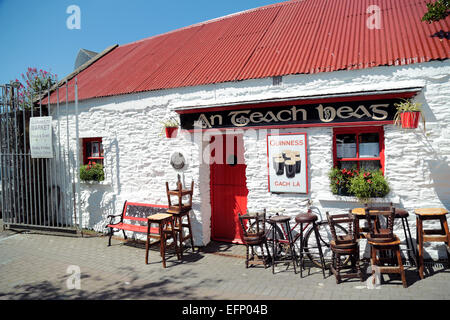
{"points": [[294, 37]]}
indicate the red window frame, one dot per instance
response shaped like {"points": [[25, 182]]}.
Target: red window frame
{"points": [[357, 131], [92, 160]]}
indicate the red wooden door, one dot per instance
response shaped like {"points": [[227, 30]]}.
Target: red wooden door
{"points": [[228, 187]]}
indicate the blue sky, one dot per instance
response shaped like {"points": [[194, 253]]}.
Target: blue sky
{"points": [[35, 34]]}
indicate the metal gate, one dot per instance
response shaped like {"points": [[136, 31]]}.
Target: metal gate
{"points": [[37, 191]]}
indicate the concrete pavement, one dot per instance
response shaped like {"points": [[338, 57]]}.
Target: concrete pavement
{"points": [[40, 266]]}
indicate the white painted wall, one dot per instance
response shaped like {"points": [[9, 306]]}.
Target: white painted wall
{"points": [[137, 158]]}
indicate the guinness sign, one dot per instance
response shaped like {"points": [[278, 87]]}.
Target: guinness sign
{"points": [[323, 113]]}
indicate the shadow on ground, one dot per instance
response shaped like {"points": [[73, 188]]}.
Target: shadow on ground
{"points": [[98, 288]]}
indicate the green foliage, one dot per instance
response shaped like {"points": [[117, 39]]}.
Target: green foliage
{"points": [[92, 172], [171, 122], [369, 184], [359, 183], [340, 180], [408, 105], [437, 10]]}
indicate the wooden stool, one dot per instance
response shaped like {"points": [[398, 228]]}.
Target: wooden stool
{"points": [[180, 211], [165, 231], [382, 239], [403, 215], [394, 247], [283, 220], [308, 218], [434, 235]]}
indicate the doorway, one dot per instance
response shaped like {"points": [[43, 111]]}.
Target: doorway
{"points": [[228, 187]]}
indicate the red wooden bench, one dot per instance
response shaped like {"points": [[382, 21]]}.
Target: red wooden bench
{"points": [[137, 212]]}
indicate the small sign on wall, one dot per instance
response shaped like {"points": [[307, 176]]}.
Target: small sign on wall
{"points": [[287, 163], [41, 144]]}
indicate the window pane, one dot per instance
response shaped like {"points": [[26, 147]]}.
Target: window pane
{"points": [[346, 145], [369, 146], [370, 165], [95, 149], [347, 164], [88, 149]]}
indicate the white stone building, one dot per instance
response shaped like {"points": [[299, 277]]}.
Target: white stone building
{"points": [[280, 56]]}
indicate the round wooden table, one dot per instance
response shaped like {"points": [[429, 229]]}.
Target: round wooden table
{"points": [[434, 235]]}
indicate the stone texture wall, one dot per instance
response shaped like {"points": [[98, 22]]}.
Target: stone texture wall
{"points": [[137, 157]]}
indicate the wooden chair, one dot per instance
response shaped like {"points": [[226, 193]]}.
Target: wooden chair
{"points": [[382, 239], [343, 245], [181, 210], [254, 235]]}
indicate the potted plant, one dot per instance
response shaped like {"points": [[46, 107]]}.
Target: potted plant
{"points": [[362, 184], [408, 113], [92, 172], [369, 184], [171, 127]]}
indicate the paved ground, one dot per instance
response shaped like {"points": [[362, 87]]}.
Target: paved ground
{"points": [[39, 266]]}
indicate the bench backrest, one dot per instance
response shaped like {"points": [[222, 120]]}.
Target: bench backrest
{"points": [[140, 211]]}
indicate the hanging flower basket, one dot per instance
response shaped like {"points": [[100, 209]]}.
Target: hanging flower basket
{"points": [[170, 127], [171, 132], [410, 120], [408, 114]]}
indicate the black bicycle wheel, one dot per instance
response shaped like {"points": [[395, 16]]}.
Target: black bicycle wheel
{"points": [[325, 237], [279, 235]]}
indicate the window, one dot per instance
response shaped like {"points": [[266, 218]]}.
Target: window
{"points": [[92, 151], [361, 148]]}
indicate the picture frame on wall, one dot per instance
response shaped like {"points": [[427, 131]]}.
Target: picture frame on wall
{"points": [[287, 163]]}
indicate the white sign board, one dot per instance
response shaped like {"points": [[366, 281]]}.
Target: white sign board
{"points": [[41, 145], [287, 163]]}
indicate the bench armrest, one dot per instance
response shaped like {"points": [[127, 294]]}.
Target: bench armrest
{"points": [[112, 216]]}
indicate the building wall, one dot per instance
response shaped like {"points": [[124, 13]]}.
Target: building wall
{"points": [[137, 158]]}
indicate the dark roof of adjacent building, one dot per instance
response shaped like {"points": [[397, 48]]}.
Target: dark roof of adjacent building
{"points": [[293, 37], [83, 56]]}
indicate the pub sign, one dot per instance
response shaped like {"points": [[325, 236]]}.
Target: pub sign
{"points": [[287, 163], [291, 114]]}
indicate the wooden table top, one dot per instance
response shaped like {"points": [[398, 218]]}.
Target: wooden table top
{"points": [[430, 211], [362, 212], [159, 216]]}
